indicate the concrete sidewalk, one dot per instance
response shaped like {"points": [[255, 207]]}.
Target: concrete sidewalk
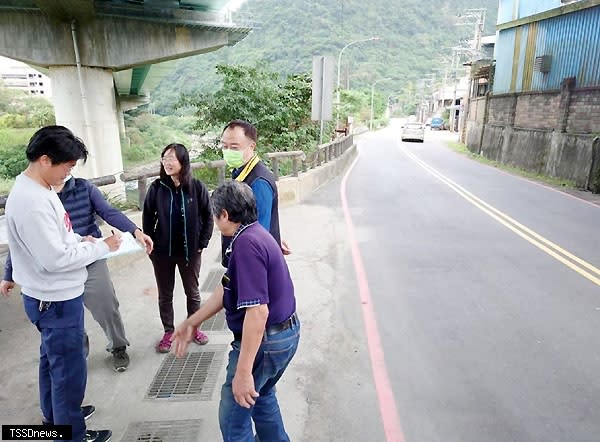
{"points": [[308, 393]]}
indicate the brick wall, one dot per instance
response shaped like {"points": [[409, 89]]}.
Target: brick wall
{"points": [[542, 110], [501, 109], [584, 111], [537, 110]]}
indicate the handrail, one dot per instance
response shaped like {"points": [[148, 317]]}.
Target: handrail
{"points": [[297, 156], [99, 181], [141, 174], [301, 162]]}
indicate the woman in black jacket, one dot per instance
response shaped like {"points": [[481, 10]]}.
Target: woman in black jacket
{"points": [[177, 217]]}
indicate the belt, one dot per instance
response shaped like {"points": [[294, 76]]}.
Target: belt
{"points": [[275, 328]]}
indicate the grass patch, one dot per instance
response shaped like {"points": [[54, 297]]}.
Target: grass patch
{"points": [[557, 182]]}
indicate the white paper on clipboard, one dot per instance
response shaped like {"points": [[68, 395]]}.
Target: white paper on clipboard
{"points": [[128, 245]]}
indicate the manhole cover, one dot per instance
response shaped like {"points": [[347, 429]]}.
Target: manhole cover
{"points": [[163, 431], [216, 323], [212, 280], [192, 377]]}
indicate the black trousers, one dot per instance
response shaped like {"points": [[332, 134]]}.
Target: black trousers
{"points": [[164, 272]]}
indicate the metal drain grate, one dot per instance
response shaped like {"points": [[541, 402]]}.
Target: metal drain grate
{"points": [[212, 280], [216, 323], [163, 431], [192, 377]]}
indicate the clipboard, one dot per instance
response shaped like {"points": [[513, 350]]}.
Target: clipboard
{"points": [[128, 245]]}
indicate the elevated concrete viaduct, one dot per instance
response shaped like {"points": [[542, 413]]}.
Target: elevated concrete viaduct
{"points": [[104, 56]]}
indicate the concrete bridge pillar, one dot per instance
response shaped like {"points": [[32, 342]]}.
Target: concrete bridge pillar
{"points": [[88, 107]]}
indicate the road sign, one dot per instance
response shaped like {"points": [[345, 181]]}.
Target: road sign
{"points": [[322, 88]]}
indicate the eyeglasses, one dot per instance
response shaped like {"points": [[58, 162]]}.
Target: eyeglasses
{"points": [[168, 159]]}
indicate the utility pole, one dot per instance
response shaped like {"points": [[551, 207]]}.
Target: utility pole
{"points": [[476, 17], [454, 80]]}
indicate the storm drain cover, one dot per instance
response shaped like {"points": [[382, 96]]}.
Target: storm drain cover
{"points": [[212, 280], [216, 323], [163, 431], [191, 378]]}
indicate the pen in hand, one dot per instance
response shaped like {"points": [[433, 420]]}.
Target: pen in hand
{"points": [[114, 241]]}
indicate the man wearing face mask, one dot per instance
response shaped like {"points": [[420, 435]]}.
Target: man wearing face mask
{"points": [[238, 142]]}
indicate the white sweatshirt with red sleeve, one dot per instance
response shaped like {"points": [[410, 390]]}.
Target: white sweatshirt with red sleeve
{"points": [[49, 260]]}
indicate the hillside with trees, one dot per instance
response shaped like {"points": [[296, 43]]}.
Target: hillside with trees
{"points": [[416, 36]]}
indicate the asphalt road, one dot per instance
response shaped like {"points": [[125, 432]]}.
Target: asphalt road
{"points": [[485, 289], [484, 299]]}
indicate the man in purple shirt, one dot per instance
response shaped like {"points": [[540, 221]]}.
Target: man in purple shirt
{"points": [[258, 296]]}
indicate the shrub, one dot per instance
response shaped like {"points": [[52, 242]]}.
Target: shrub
{"points": [[12, 151]]}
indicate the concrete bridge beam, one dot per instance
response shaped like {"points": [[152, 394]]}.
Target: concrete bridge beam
{"points": [[114, 43], [83, 58]]}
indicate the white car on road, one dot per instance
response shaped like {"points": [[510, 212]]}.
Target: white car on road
{"points": [[413, 131]]}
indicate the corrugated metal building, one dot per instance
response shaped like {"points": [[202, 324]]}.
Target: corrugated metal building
{"points": [[540, 43]]}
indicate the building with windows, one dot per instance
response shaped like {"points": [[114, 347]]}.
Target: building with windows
{"points": [[17, 75]]}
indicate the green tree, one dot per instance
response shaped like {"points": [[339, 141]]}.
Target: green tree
{"points": [[148, 134], [14, 121], [20, 110], [12, 154], [39, 112], [279, 108]]}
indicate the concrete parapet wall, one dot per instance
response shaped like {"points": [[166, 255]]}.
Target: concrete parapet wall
{"points": [[571, 157], [493, 140], [525, 148], [296, 189], [473, 136], [559, 155]]}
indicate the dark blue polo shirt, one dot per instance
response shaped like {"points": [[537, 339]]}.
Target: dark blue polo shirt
{"points": [[257, 274]]}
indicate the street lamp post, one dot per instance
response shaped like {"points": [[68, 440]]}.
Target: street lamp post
{"points": [[372, 93], [339, 65]]}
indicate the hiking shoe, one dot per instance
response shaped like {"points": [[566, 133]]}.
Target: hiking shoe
{"points": [[164, 345], [200, 338], [86, 410], [97, 436], [120, 359]]}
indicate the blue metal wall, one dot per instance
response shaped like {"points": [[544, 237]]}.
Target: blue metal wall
{"points": [[509, 10], [504, 50], [572, 40], [505, 11]]}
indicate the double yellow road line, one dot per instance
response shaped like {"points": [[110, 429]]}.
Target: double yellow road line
{"points": [[575, 263]]}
